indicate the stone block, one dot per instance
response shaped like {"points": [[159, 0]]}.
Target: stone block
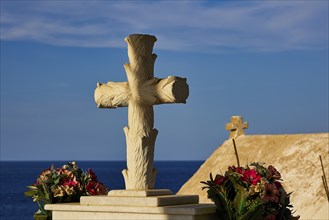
{"points": [[151, 201], [70, 211], [135, 204]]}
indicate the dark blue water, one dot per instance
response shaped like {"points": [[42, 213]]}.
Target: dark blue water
{"points": [[15, 176]]}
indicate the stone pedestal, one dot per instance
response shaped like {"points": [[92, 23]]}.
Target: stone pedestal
{"points": [[135, 204]]}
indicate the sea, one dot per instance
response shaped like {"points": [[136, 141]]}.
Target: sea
{"points": [[16, 176]]}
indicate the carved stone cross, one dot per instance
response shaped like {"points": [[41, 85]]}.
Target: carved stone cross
{"points": [[236, 126], [139, 94]]}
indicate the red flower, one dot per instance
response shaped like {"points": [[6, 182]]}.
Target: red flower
{"points": [[278, 184], [236, 169], [92, 175], [69, 183], [251, 177], [273, 173], [270, 217], [271, 193], [219, 179], [96, 188]]}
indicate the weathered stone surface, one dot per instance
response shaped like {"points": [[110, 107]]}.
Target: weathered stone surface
{"points": [[295, 156]]}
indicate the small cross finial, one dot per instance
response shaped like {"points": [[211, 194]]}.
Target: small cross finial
{"points": [[236, 126]]}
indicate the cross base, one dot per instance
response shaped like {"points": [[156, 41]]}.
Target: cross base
{"points": [[135, 204], [141, 192]]}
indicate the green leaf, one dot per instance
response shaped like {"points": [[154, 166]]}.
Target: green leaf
{"points": [[32, 187], [211, 179], [222, 203], [30, 193], [46, 193], [56, 181], [254, 213], [240, 200]]}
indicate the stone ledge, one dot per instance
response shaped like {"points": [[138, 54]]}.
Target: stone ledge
{"points": [[126, 216], [193, 209], [152, 201], [140, 193]]}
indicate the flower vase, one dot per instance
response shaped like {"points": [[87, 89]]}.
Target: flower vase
{"points": [[40, 215]]}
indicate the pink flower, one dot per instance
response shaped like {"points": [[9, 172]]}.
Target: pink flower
{"points": [[251, 177], [271, 193]]}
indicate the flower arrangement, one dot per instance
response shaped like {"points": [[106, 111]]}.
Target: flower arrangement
{"points": [[65, 184], [249, 193]]}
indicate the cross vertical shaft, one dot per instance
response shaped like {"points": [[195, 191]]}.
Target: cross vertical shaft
{"points": [[140, 135]]}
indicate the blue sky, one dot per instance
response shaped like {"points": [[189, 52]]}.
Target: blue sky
{"points": [[264, 60]]}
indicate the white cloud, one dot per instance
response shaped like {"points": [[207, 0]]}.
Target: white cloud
{"points": [[178, 25]]}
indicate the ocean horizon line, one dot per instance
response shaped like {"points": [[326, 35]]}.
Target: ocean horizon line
{"points": [[65, 161]]}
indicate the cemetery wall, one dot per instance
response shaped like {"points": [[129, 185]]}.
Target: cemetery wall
{"points": [[296, 156]]}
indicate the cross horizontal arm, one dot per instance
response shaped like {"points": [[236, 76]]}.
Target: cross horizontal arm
{"points": [[172, 89], [153, 92], [229, 126], [232, 126], [112, 95]]}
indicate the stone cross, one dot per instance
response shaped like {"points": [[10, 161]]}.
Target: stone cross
{"points": [[236, 126], [139, 94]]}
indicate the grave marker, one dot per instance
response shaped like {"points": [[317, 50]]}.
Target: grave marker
{"points": [[139, 94], [236, 126]]}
